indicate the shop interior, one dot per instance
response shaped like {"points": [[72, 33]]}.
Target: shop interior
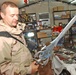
{"points": [[45, 21]]}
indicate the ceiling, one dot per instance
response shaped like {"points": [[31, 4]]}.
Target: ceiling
{"points": [[18, 2], [67, 1], [21, 3]]}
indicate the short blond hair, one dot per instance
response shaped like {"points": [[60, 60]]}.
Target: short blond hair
{"points": [[6, 4]]}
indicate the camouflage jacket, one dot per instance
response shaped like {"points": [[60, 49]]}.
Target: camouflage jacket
{"points": [[14, 56]]}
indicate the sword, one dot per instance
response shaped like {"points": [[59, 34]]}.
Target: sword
{"points": [[42, 56]]}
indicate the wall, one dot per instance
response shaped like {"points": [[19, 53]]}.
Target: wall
{"points": [[46, 7]]}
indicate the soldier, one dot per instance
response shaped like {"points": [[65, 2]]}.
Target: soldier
{"points": [[15, 58]]}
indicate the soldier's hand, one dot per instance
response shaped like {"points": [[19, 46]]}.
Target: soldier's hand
{"points": [[34, 67]]}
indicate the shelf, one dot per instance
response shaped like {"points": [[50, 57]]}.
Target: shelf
{"points": [[65, 10], [45, 37], [64, 16], [44, 29], [61, 19]]}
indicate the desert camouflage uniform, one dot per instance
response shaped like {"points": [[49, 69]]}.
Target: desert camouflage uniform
{"points": [[15, 58]]}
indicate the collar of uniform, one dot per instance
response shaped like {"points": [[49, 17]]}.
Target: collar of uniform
{"points": [[18, 30]]}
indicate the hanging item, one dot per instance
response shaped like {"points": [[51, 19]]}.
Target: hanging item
{"points": [[26, 1]]}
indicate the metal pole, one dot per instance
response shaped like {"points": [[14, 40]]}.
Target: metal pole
{"points": [[49, 9]]}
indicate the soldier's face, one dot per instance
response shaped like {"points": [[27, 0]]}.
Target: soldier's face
{"points": [[10, 17]]}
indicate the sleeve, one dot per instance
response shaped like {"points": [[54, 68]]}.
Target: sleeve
{"points": [[5, 52], [26, 70]]}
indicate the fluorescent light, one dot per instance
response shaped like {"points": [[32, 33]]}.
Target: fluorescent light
{"points": [[30, 34], [67, 0], [74, 1], [70, 0]]}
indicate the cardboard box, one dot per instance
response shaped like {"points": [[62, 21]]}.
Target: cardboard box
{"points": [[68, 12], [65, 16], [60, 8], [55, 9], [41, 34]]}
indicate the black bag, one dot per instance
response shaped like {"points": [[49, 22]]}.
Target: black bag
{"points": [[31, 45], [65, 72]]}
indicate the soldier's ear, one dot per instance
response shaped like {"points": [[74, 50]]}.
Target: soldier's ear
{"points": [[2, 14]]}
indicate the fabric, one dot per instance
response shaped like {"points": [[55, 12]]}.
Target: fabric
{"points": [[71, 68], [58, 66], [15, 57]]}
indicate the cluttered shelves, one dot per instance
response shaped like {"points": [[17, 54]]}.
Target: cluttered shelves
{"points": [[67, 55]]}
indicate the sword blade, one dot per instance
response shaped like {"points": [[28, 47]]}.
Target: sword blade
{"points": [[48, 50]]}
